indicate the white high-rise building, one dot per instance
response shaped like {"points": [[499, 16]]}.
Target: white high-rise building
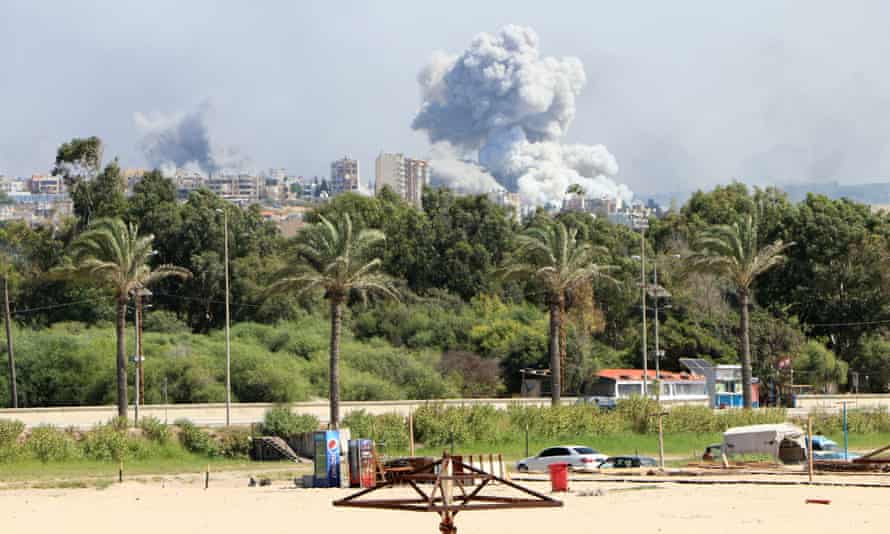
{"points": [[405, 176]]}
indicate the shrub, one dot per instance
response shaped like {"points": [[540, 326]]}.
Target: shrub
{"points": [[234, 442], [105, 443], [10, 430], [154, 430], [119, 423], [437, 425], [196, 440], [47, 443], [280, 421], [389, 431], [163, 321]]}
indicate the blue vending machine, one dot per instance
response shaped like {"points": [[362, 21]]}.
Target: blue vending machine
{"points": [[327, 459]]}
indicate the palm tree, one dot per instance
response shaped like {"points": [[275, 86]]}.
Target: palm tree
{"points": [[112, 254], [554, 256], [733, 252], [333, 257]]}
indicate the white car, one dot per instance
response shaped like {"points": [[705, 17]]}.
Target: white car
{"points": [[579, 458]]}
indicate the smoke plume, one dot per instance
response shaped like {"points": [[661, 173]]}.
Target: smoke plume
{"points": [[502, 104], [182, 141]]}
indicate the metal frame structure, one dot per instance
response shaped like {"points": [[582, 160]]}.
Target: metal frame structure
{"points": [[452, 472]]}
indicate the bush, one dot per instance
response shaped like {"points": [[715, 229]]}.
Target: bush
{"points": [[196, 440], [389, 431], [281, 422], [155, 430], [47, 444], [105, 443], [163, 321], [10, 430], [437, 425], [119, 423], [234, 443]]}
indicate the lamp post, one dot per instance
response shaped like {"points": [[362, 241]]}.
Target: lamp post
{"points": [[642, 224], [657, 292], [228, 336]]}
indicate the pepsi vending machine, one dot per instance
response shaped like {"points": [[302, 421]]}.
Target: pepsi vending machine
{"points": [[327, 459]]}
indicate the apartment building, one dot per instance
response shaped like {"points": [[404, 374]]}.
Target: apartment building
{"points": [[345, 176], [405, 176]]}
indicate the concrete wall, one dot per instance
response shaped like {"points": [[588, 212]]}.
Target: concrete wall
{"points": [[241, 414], [832, 403], [84, 417]]}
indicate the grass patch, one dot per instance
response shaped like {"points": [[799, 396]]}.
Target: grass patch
{"points": [[34, 470], [680, 447]]}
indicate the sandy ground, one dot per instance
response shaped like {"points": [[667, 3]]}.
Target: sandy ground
{"points": [[180, 505]]}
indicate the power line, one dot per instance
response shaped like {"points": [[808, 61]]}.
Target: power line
{"points": [[55, 306], [854, 323], [204, 300]]}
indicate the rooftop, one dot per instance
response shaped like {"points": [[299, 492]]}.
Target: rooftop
{"points": [[637, 374]]}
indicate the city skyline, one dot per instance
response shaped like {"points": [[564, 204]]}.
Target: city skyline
{"points": [[752, 95]]}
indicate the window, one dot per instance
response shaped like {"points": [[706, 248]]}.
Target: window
{"points": [[689, 389], [585, 450], [629, 390], [554, 451]]}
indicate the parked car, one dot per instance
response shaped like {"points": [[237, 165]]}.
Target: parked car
{"points": [[579, 458], [623, 462], [826, 449]]}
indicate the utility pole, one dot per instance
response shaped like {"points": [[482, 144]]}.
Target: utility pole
{"points": [[7, 318], [228, 334], [136, 359], [641, 224], [657, 352]]}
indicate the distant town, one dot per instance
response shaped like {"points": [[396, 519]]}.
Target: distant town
{"points": [[43, 198], [284, 197]]}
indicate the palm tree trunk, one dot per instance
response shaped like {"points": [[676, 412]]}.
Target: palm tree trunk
{"points": [[555, 370], [563, 344], [336, 320], [746, 348], [121, 357], [7, 318]]}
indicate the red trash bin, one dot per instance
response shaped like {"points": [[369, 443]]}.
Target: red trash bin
{"points": [[559, 477]]}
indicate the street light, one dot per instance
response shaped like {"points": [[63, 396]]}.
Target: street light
{"points": [[656, 292], [641, 224], [228, 337]]}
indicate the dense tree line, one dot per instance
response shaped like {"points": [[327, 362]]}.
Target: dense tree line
{"points": [[826, 308]]}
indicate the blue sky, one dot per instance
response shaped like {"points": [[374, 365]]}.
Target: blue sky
{"points": [[685, 94]]}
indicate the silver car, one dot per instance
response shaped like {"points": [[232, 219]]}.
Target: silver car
{"points": [[579, 458]]}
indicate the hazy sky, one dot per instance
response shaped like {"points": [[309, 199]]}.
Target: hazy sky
{"points": [[685, 94]]}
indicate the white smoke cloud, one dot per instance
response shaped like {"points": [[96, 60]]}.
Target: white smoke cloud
{"points": [[450, 169], [182, 141], [502, 102]]}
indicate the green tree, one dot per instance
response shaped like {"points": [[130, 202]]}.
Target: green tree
{"points": [[820, 367], [734, 252], [552, 255], [872, 363], [95, 193], [113, 255], [336, 258]]}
